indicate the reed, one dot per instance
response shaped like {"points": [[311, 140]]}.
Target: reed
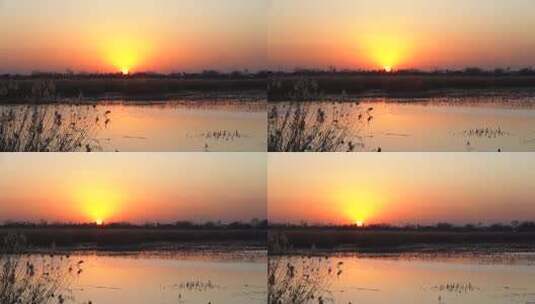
{"points": [[38, 128], [300, 127], [34, 280]]}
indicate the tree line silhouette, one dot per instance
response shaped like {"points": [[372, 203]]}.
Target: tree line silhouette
{"points": [[514, 226], [182, 225]]}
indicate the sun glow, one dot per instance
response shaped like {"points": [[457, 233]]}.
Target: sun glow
{"points": [[360, 207], [387, 51], [125, 54], [98, 203]]}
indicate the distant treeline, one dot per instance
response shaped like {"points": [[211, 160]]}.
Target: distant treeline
{"points": [[310, 85], [207, 74], [182, 225], [127, 236], [468, 71], [264, 74], [386, 238], [58, 87], [300, 84], [514, 226]]}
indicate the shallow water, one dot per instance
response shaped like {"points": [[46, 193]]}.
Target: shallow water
{"points": [[485, 123], [475, 279], [194, 277], [177, 126]]}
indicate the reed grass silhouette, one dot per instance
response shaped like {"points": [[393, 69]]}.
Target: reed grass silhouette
{"points": [[34, 280], [39, 128], [299, 127], [295, 126], [298, 280]]}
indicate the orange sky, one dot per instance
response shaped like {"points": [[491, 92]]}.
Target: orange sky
{"points": [[133, 187], [192, 35], [401, 33], [139, 35], [400, 188]]}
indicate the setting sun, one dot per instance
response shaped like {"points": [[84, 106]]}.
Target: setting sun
{"points": [[99, 203], [359, 206], [387, 50], [125, 54]]}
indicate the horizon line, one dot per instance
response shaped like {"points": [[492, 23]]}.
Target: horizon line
{"points": [[246, 71]]}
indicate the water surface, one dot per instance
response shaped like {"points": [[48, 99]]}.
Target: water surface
{"points": [[485, 123], [197, 125], [415, 279], [190, 277]]}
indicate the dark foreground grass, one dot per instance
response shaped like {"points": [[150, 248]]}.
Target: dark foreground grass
{"points": [[138, 238], [49, 90], [394, 241], [24, 280], [395, 85]]}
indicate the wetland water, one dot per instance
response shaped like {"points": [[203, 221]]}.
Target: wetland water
{"points": [[198, 125], [175, 277], [422, 278], [484, 123]]}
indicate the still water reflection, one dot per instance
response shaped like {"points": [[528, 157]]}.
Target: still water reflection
{"points": [[194, 277], [199, 125], [485, 123], [467, 278]]}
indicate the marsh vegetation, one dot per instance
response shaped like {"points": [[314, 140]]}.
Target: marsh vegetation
{"points": [[476, 123], [295, 126], [469, 277], [46, 88], [124, 236], [434, 264], [379, 238], [24, 279], [35, 128], [186, 125], [408, 84]]}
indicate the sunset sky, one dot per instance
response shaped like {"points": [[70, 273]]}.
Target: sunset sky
{"points": [[192, 35], [139, 35], [420, 34], [133, 187], [401, 188]]}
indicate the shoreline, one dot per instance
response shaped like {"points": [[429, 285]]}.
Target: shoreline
{"points": [[417, 96], [155, 248], [155, 99], [288, 241], [416, 251], [137, 239]]}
